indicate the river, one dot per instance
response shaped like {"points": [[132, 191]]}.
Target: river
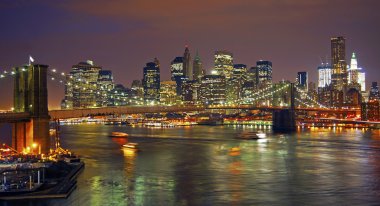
{"points": [[194, 166]]}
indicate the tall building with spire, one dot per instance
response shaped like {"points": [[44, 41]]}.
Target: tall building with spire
{"points": [[355, 75], [198, 71], [188, 70], [339, 79]]}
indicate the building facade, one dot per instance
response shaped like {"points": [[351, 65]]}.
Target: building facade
{"points": [[213, 89], [339, 76], [151, 82], [81, 89], [198, 71], [324, 75], [223, 63], [263, 73]]}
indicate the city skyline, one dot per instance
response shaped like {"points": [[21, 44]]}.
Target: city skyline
{"points": [[122, 40]]}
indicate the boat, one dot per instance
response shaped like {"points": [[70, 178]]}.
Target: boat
{"points": [[133, 146], [252, 136], [119, 134], [235, 149]]}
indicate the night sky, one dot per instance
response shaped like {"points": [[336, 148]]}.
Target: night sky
{"points": [[122, 35]]}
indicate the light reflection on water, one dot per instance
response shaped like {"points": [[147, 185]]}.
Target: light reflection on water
{"points": [[195, 166]]}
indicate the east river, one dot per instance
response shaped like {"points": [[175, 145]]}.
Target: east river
{"points": [[194, 166]]}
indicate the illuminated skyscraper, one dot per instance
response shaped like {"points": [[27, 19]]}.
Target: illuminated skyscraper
{"points": [[106, 84], [374, 94], [187, 68], [240, 72], [302, 80], [324, 75], [198, 71], [355, 76], [82, 86], [213, 89], [339, 77], [176, 69], [224, 63], [168, 94], [264, 73], [138, 89], [178, 72], [361, 77], [151, 82]]}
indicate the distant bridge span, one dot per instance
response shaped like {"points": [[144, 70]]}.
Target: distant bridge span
{"points": [[76, 113]]}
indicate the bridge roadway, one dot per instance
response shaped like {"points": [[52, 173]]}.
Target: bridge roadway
{"points": [[271, 108], [14, 117], [76, 113]]}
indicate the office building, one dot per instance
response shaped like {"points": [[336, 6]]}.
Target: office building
{"points": [[324, 75], [240, 72], [168, 93], [151, 82], [81, 89], [302, 80], [263, 73], [187, 67], [374, 94], [105, 84], [224, 63], [198, 71], [339, 76], [213, 89]]}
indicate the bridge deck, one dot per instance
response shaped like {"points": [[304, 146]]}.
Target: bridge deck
{"points": [[14, 117]]}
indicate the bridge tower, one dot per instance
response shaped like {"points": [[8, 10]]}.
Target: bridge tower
{"points": [[30, 95], [284, 119]]}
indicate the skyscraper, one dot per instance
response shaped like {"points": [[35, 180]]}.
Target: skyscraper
{"points": [[324, 75], [224, 63], [302, 80], [213, 89], [198, 71], [240, 72], [168, 94], [177, 69], [339, 66], [178, 72], [151, 82], [264, 72], [187, 68], [374, 94], [106, 84], [81, 90], [356, 78]]}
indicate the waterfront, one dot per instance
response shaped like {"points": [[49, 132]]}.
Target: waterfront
{"points": [[194, 166]]}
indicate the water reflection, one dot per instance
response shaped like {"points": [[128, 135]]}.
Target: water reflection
{"points": [[195, 166]]}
